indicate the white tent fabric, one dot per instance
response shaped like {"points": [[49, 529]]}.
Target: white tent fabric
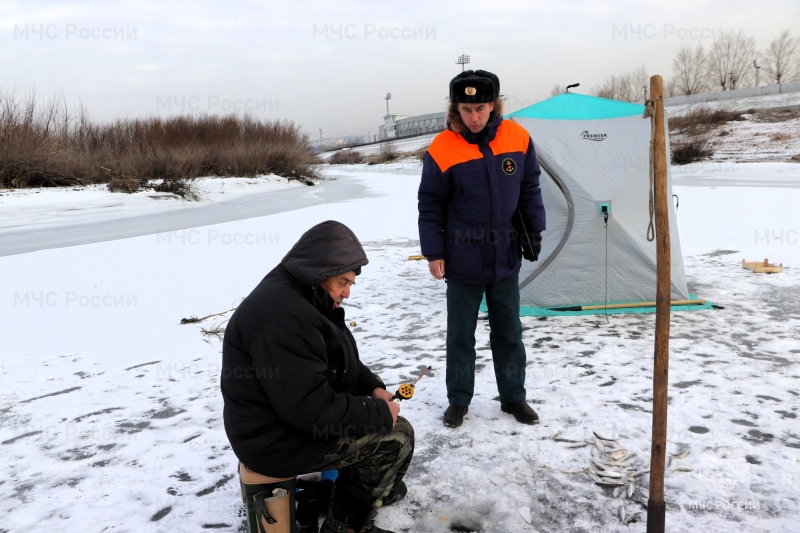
{"points": [[594, 152]]}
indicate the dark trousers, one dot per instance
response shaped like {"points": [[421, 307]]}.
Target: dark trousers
{"points": [[505, 338], [370, 466]]}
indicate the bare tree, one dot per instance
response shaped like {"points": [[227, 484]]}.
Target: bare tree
{"points": [[609, 88], [731, 56], [670, 89], [628, 87], [690, 70], [557, 89], [782, 58], [639, 84]]}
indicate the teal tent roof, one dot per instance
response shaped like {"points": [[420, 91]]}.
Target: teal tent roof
{"points": [[571, 106]]}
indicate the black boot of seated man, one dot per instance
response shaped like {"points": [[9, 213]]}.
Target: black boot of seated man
{"points": [[350, 516]]}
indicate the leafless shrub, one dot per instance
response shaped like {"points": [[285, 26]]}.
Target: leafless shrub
{"points": [[693, 148], [777, 115], [781, 136], [702, 120], [47, 144], [346, 157], [420, 154], [128, 185], [388, 152]]}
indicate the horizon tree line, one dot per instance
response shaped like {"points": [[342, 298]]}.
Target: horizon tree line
{"points": [[731, 61]]}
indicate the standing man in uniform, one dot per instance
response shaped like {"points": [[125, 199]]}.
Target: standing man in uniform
{"points": [[478, 176]]}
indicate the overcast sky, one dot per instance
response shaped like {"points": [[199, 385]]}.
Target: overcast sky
{"points": [[329, 65]]}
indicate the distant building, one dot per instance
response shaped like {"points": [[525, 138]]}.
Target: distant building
{"points": [[388, 130], [399, 126]]}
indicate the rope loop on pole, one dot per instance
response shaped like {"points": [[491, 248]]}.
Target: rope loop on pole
{"points": [[650, 112]]}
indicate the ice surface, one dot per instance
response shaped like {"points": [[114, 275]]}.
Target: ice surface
{"points": [[111, 418]]}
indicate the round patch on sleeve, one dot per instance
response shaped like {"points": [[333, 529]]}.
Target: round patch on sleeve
{"points": [[509, 166]]}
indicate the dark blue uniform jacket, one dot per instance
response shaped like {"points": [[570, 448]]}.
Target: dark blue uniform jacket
{"points": [[471, 186]]}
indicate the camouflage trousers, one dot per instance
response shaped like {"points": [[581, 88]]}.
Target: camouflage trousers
{"points": [[370, 466]]}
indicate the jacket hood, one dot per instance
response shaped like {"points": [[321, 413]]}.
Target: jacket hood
{"points": [[328, 249]]}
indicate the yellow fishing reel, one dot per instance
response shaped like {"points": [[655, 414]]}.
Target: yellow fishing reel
{"points": [[404, 392]]}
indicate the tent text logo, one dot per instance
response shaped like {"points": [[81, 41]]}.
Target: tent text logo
{"points": [[593, 136]]}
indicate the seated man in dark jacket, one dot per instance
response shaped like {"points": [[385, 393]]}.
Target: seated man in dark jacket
{"points": [[297, 397]]}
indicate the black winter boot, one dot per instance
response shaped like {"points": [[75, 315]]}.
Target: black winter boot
{"points": [[350, 516], [350, 525], [373, 529], [523, 412], [454, 415], [397, 494]]}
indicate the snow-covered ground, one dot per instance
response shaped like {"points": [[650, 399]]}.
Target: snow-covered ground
{"points": [[39, 219], [764, 137], [790, 100], [404, 145], [111, 418], [54, 206]]}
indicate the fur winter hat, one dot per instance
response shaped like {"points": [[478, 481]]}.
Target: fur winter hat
{"points": [[473, 87]]}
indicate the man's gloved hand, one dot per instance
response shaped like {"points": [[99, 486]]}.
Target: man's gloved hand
{"points": [[537, 245], [532, 247]]}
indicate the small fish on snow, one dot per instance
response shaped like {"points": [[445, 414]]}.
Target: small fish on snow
{"points": [[578, 445], [603, 438], [609, 473], [681, 454], [619, 454], [630, 456]]}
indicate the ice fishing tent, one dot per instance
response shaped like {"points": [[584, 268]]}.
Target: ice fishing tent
{"points": [[594, 155]]}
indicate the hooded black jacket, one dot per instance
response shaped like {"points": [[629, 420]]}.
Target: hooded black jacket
{"points": [[291, 378]]}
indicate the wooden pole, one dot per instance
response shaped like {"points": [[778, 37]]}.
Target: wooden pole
{"points": [[655, 504]]}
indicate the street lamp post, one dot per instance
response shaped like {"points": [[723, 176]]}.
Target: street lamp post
{"points": [[462, 60], [755, 64]]}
